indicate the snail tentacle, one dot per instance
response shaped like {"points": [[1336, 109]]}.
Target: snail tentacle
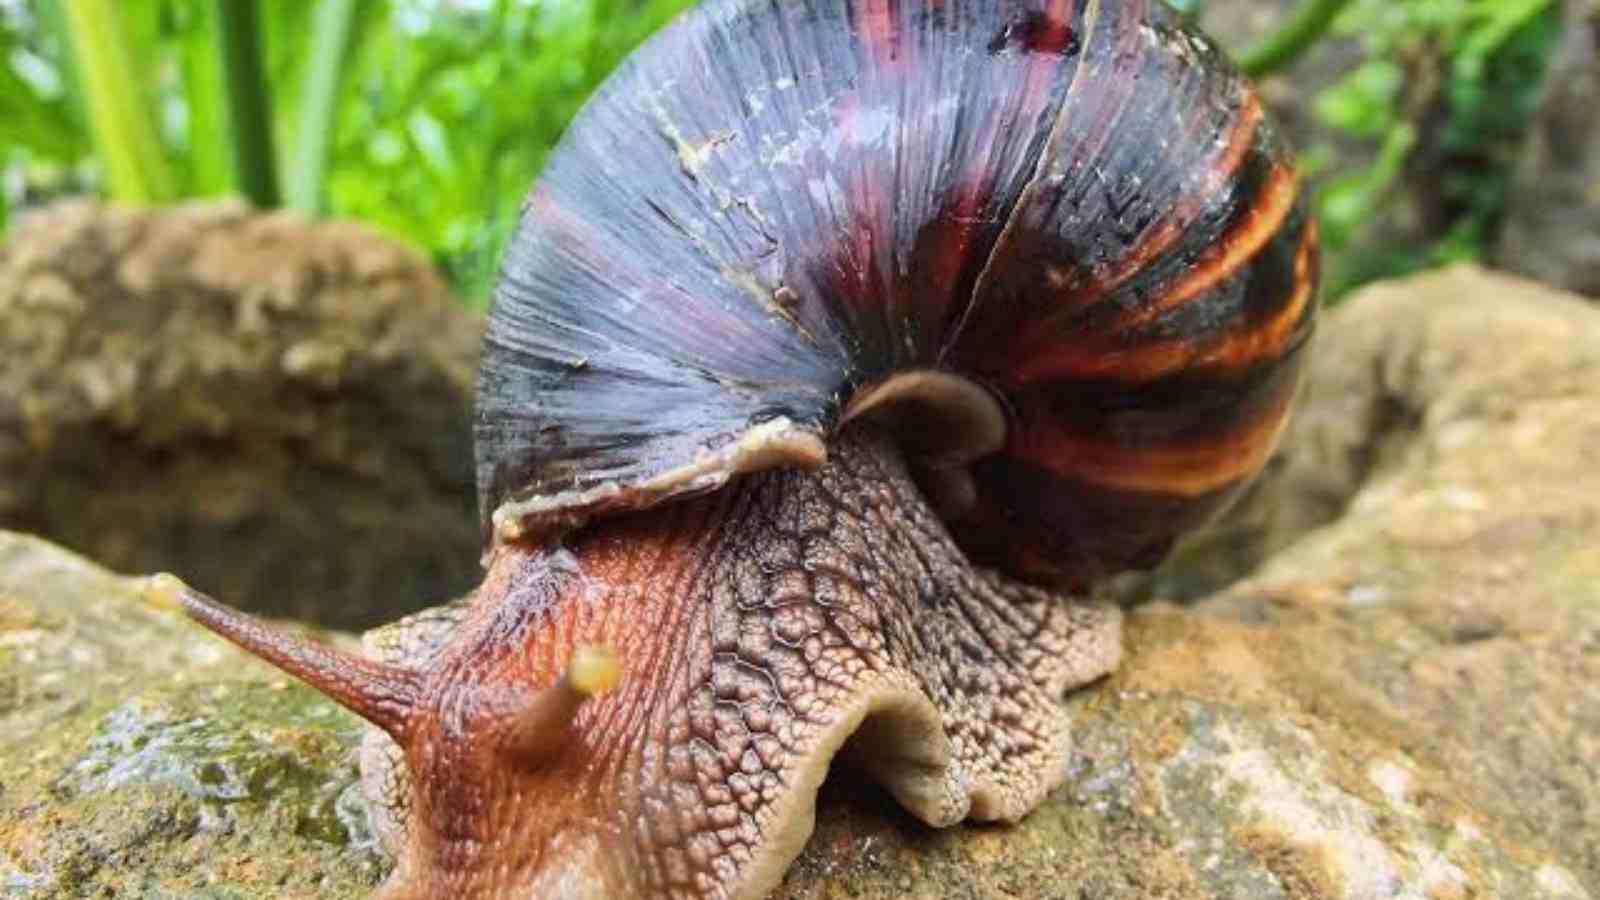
{"points": [[540, 723], [381, 693]]}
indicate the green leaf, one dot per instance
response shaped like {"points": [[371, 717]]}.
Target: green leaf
{"points": [[56, 45], [1361, 103], [1346, 202], [330, 42], [122, 126], [446, 119], [1304, 29], [1501, 19], [210, 169], [249, 102], [30, 120]]}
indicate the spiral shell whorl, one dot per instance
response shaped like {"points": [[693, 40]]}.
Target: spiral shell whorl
{"points": [[1076, 204]]}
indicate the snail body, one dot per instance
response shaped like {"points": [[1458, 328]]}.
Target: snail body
{"points": [[838, 348]]}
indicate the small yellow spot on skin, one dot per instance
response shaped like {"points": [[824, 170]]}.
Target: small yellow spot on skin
{"points": [[593, 670], [164, 591], [508, 527]]}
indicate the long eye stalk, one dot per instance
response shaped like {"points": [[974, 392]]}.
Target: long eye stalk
{"points": [[380, 693]]}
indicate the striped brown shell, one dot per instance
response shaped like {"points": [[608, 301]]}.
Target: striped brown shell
{"points": [[774, 206]]}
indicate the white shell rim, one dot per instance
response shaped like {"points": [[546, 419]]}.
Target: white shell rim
{"points": [[769, 445]]}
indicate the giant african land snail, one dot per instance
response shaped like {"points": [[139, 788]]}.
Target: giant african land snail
{"points": [[815, 303]]}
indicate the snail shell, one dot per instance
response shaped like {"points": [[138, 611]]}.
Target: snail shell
{"points": [[1058, 243]]}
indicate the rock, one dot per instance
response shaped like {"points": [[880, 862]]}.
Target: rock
{"points": [[278, 410], [1552, 228], [144, 760], [1403, 702]]}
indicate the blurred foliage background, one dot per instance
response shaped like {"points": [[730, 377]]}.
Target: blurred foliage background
{"points": [[438, 113], [1439, 98], [429, 118]]}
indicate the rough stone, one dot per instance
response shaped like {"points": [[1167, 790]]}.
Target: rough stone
{"points": [[177, 387], [138, 759], [1403, 701]]}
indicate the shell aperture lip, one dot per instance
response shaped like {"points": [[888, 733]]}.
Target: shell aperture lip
{"points": [[772, 444]]}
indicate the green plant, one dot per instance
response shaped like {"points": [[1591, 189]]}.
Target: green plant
{"points": [[249, 102], [1437, 106], [40, 130], [1444, 94], [1281, 48], [119, 121], [445, 126], [330, 42], [427, 118]]}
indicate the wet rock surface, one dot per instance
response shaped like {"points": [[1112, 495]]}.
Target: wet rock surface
{"points": [[1402, 701], [141, 759], [279, 410]]}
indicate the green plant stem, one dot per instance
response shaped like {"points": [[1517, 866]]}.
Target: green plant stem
{"points": [[1282, 47], [120, 124], [210, 169], [53, 20], [249, 105], [330, 44]]}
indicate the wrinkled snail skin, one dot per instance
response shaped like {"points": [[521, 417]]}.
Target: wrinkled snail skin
{"points": [[839, 351]]}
